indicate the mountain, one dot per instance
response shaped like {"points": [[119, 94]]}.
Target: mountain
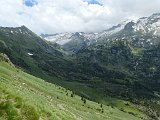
{"points": [[32, 53], [122, 64], [77, 42], [60, 39], [149, 24], [120, 56], [145, 26], [70, 41], [143, 33], [133, 52]]}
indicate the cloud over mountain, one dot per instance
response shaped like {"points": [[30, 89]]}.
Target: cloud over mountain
{"points": [[52, 16]]}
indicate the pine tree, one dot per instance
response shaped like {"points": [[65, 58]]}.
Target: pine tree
{"points": [[101, 106], [84, 101], [82, 98], [71, 94]]}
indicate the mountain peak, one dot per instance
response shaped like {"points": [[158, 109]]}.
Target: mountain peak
{"points": [[23, 26], [156, 14]]}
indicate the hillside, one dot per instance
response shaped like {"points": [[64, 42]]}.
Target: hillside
{"points": [[26, 97], [130, 55], [32, 53]]}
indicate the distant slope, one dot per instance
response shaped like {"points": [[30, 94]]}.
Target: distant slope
{"points": [[60, 39], [145, 27], [72, 42], [128, 59], [25, 97], [32, 53]]}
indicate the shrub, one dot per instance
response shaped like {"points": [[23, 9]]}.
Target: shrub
{"points": [[132, 113], [30, 113], [101, 106], [8, 111], [72, 95], [122, 109], [84, 101]]}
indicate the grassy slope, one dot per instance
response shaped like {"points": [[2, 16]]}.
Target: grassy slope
{"points": [[26, 97]]}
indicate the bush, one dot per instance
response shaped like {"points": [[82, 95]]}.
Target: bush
{"points": [[30, 113], [84, 101], [7, 110], [122, 109], [132, 113], [18, 102], [101, 106], [72, 95]]}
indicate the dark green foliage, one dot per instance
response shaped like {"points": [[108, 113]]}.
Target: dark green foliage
{"points": [[101, 106], [7, 109], [84, 101], [72, 95], [122, 109], [82, 98], [131, 113], [18, 102], [30, 113], [102, 110]]}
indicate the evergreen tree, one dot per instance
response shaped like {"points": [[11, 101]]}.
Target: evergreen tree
{"points": [[84, 101], [101, 106]]}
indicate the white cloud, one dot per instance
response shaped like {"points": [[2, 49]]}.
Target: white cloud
{"points": [[52, 16]]}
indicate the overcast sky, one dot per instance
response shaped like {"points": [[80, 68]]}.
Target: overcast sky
{"points": [[55, 16]]}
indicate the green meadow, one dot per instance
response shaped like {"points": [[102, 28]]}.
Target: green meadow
{"points": [[25, 97]]}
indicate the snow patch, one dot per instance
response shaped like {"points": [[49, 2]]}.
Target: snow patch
{"points": [[61, 38], [30, 54]]}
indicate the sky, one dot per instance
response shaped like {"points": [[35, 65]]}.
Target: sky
{"points": [[58, 16]]}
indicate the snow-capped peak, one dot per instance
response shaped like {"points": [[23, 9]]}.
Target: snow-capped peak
{"points": [[149, 24], [145, 25], [61, 38], [117, 28]]}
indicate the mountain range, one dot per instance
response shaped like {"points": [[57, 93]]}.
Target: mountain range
{"points": [[145, 26], [122, 62]]}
